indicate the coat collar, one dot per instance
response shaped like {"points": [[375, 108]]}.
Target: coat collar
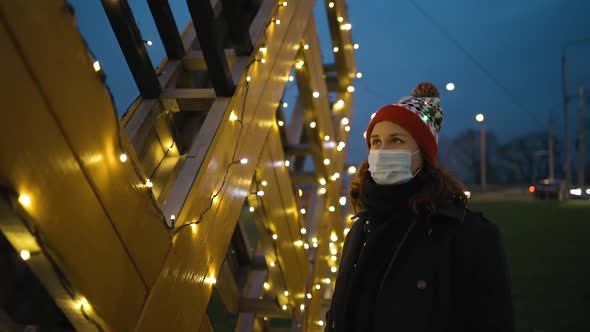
{"points": [[454, 211]]}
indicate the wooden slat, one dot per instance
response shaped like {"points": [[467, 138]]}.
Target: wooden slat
{"points": [[167, 29], [195, 60], [191, 100], [44, 156]]}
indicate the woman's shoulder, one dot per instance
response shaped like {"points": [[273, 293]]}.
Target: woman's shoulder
{"points": [[477, 230]]}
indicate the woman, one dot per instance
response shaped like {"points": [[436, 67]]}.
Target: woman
{"points": [[416, 259]]}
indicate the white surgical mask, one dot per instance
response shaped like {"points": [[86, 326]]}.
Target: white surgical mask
{"points": [[391, 166]]}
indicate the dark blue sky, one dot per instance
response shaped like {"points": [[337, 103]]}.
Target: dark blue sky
{"points": [[517, 42]]}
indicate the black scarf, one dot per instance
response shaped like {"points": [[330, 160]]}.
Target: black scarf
{"points": [[383, 202]]}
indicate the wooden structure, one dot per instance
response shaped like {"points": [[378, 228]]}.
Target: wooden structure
{"points": [[133, 224]]}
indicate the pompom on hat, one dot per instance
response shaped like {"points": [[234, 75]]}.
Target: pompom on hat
{"points": [[420, 114]]}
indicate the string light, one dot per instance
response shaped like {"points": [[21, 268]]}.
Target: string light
{"points": [[359, 75], [272, 264], [286, 293], [298, 243], [123, 157], [266, 286], [352, 170], [321, 323], [314, 240], [24, 200], [277, 21], [322, 181], [291, 78], [149, 42], [344, 121], [306, 47], [274, 236], [25, 255], [346, 230], [340, 19], [334, 269], [287, 163], [322, 191], [334, 258], [300, 192], [263, 60], [284, 307], [260, 193], [306, 246], [210, 280], [326, 138], [334, 237], [302, 307], [302, 211], [284, 3], [264, 183], [312, 124], [251, 209], [285, 105], [334, 251], [339, 105], [281, 123], [303, 231], [299, 64], [336, 49], [248, 78], [244, 161], [356, 46], [342, 200], [350, 89], [346, 27], [332, 208], [331, 4], [309, 295], [263, 49], [318, 286], [316, 94], [83, 303], [326, 161], [327, 281], [149, 183], [347, 128], [96, 65]]}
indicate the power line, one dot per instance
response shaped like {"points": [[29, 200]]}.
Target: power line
{"points": [[457, 44]]}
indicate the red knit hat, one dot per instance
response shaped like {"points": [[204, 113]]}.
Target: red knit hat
{"points": [[420, 114]]}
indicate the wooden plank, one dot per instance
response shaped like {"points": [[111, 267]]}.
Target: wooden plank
{"points": [[40, 158], [174, 297], [167, 28], [129, 38], [195, 60], [191, 100], [206, 325], [239, 24], [345, 59]]}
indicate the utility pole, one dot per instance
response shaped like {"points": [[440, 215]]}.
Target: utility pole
{"points": [[581, 139], [566, 135], [551, 149]]}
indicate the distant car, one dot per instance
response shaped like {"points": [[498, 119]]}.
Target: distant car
{"points": [[545, 189], [580, 193]]}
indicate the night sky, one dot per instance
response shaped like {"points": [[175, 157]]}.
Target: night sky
{"points": [[503, 57]]}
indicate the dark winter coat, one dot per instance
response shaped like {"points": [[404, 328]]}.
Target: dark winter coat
{"points": [[449, 273]]}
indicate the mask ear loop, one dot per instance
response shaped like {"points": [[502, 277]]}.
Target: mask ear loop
{"points": [[421, 167]]}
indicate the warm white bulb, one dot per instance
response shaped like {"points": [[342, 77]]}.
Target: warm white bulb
{"points": [[322, 191], [302, 307], [306, 246], [264, 183], [251, 209], [309, 295], [334, 258], [316, 94], [332, 208], [263, 60], [312, 124], [339, 104], [286, 293], [285, 307], [336, 49], [25, 255], [340, 19], [318, 286], [326, 138], [352, 170], [334, 237], [342, 201], [96, 65], [284, 3], [350, 88], [266, 286], [233, 116], [149, 183], [278, 22], [344, 121], [346, 230], [272, 264], [274, 236], [260, 193], [299, 64], [24, 199], [332, 245], [359, 75], [287, 163], [303, 231], [334, 269], [306, 47], [149, 42], [263, 49], [450, 86], [248, 78], [315, 245], [334, 251], [331, 4], [281, 123], [298, 243], [356, 46], [347, 128], [303, 211], [244, 161], [123, 157], [285, 105], [480, 117], [326, 161], [346, 26], [314, 240], [322, 181]]}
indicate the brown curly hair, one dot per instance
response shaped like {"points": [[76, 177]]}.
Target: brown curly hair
{"points": [[438, 188]]}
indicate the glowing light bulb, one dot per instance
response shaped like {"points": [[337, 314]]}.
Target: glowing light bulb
{"points": [[303, 211], [83, 303], [340, 19], [248, 78], [263, 49], [278, 22], [284, 3], [274, 236], [350, 88], [298, 243], [321, 323], [316, 94], [287, 163], [291, 78], [281, 123], [286, 293], [264, 183], [322, 191], [312, 124], [347, 128], [272, 264], [251, 209], [25, 255], [359, 75], [351, 170], [332, 208], [263, 60], [326, 161], [346, 27], [356, 46], [306, 246], [306, 47], [334, 237], [334, 258], [342, 201], [96, 65], [266, 286], [322, 181], [344, 121], [331, 4], [336, 49], [299, 64], [334, 269], [260, 193], [24, 200], [244, 161], [450, 86], [334, 251], [285, 105], [309, 295], [318, 286], [303, 231], [123, 157], [233, 116], [149, 42], [346, 230], [284, 307], [326, 138], [302, 307], [149, 183]]}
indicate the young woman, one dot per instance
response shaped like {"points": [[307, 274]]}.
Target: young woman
{"points": [[416, 259]]}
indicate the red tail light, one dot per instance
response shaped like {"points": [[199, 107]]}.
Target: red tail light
{"points": [[532, 189]]}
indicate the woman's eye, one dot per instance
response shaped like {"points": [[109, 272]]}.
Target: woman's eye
{"points": [[397, 141], [375, 141]]}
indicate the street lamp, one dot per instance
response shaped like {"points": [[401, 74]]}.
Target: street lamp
{"points": [[566, 138], [480, 118]]}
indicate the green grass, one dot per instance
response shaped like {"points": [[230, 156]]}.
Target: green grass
{"points": [[548, 247]]}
